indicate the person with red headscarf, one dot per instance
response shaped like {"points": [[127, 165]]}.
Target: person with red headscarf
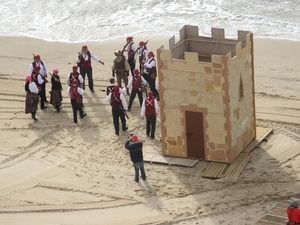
{"points": [[37, 78], [135, 148], [137, 82], [56, 97], [150, 72], [132, 55], [119, 108], [85, 65], [74, 75], [150, 108], [43, 72], [74, 93], [32, 97], [143, 56]]}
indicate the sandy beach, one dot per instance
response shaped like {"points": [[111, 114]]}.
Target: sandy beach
{"points": [[55, 172]]}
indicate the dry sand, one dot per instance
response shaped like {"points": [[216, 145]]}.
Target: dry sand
{"points": [[55, 172]]}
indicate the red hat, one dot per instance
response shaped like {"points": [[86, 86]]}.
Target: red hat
{"points": [[74, 82], [151, 53], [37, 57], [134, 138], [141, 43], [75, 68], [136, 71], [129, 38], [84, 47], [37, 68], [150, 94], [55, 70], [28, 78]]}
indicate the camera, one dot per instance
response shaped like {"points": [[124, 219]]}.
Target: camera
{"points": [[130, 135]]}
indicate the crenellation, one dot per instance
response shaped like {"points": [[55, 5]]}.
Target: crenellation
{"points": [[207, 95], [217, 33]]}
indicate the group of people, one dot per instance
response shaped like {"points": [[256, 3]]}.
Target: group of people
{"points": [[140, 79], [36, 80]]}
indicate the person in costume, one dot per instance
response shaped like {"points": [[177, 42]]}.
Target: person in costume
{"points": [[121, 69], [137, 82], [110, 88], [143, 56], [150, 109], [75, 92], [43, 72], [150, 72], [118, 108], [132, 54], [85, 65], [38, 79], [56, 96], [32, 97]]}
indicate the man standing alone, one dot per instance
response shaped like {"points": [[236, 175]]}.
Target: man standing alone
{"points": [[84, 63], [150, 108], [136, 155]]}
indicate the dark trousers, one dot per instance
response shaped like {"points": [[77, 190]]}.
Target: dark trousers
{"points": [[43, 95], [139, 166], [150, 125], [76, 107], [131, 64], [132, 97], [89, 73], [118, 113], [151, 82]]}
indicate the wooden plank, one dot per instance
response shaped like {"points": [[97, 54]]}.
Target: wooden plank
{"points": [[215, 170], [238, 165], [275, 219]]}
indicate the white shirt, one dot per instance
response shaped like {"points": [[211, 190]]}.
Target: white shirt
{"points": [[122, 98], [145, 55], [143, 109], [79, 90], [43, 69], [144, 82], [33, 88], [133, 47], [80, 78], [149, 64], [86, 57]]}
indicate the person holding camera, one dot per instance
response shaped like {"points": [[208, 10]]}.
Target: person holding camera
{"points": [[135, 148]]}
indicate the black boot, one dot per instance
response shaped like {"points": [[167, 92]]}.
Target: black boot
{"points": [[33, 116]]}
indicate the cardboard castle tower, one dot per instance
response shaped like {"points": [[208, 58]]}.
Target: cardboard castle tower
{"points": [[207, 98]]}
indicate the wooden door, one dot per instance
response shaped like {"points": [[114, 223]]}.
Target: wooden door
{"points": [[195, 134]]}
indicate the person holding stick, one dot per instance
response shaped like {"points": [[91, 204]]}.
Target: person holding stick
{"points": [[118, 108], [132, 55]]}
